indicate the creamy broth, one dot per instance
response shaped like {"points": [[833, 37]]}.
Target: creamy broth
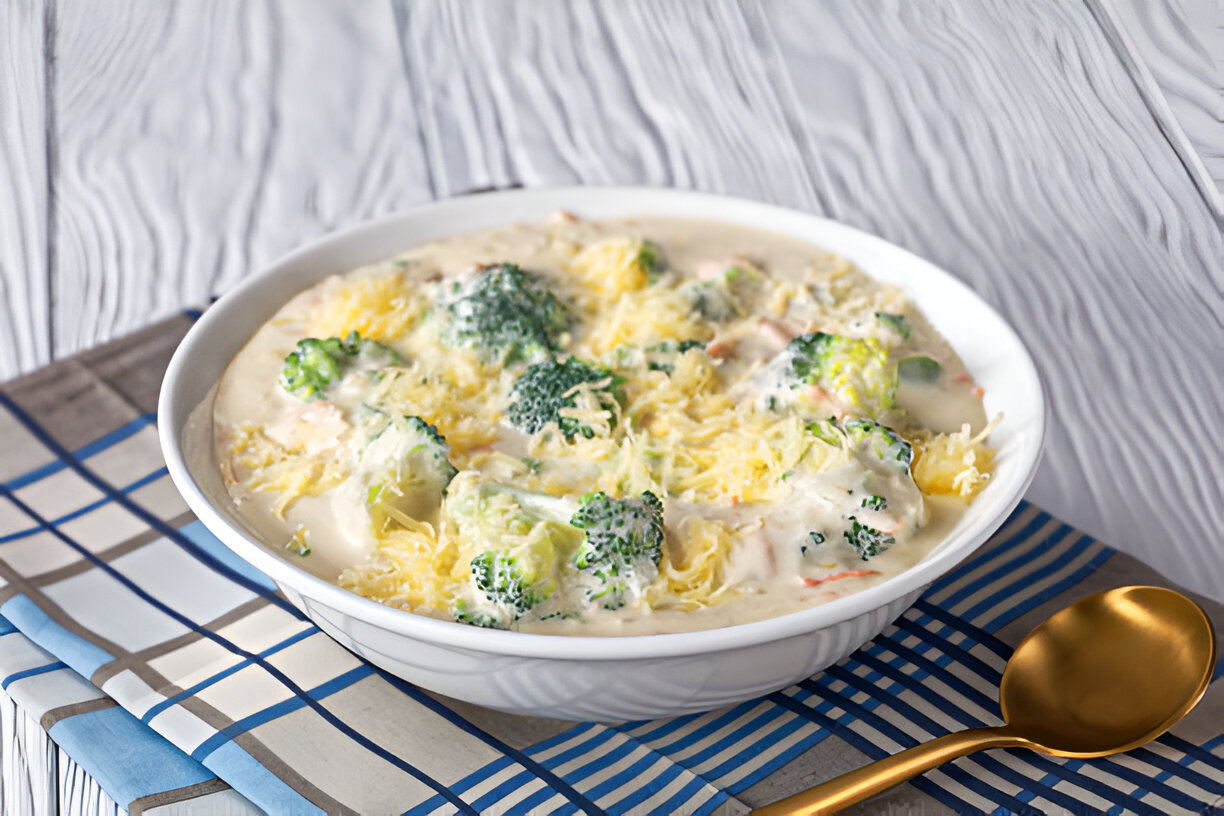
{"points": [[298, 469]]}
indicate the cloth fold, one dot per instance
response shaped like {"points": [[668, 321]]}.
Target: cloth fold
{"points": [[170, 669]]}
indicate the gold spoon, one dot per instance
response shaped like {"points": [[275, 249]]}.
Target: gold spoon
{"points": [[1104, 675]]}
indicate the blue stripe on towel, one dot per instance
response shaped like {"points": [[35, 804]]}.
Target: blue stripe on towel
{"points": [[823, 686], [83, 656], [97, 446], [280, 709], [221, 675], [31, 672], [250, 778], [993, 549], [80, 511], [203, 538], [1028, 577], [865, 746], [1011, 613], [125, 756], [1007, 568]]}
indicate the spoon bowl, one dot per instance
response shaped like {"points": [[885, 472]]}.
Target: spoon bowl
{"points": [[1107, 674]]}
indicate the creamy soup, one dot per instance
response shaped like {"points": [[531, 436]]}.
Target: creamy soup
{"points": [[619, 427]]}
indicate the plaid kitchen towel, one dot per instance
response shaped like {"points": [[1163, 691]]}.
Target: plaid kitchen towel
{"points": [[171, 671]]}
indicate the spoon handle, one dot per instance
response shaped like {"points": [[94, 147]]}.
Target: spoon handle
{"points": [[869, 780]]}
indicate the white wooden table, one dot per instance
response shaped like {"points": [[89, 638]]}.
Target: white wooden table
{"points": [[1064, 157]]}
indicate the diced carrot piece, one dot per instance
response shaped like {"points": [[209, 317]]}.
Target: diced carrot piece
{"points": [[839, 576]]}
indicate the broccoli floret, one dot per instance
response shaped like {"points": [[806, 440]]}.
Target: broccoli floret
{"points": [[313, 366], [546, 389], [552, 556], [405, 468], [866, 541], [884, 442], [881, 442], [895, 322], [661, 356], [506, 313], [527, 543], [826, 430], [464, 614], [650, 257], [426, 430], [883, 484], [316, 365], [723, 296], [506, 581], [623, 544], [710, 301], [676, 346], [857, 371]]}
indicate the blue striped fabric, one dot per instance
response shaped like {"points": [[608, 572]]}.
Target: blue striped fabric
{"points": [[222, 681], [80, 718]]}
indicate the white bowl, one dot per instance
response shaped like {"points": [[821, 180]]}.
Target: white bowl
{"points": [[591, 678]]}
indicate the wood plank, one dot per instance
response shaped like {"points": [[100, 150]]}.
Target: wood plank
{"points": [[1005, 142], [27, 764], [1177, 77], [26, 27], [1182, 41], [635, 93], [79, 793], [200, 141]]}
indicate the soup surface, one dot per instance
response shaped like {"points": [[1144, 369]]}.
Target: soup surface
{"points": [[618, 427]]}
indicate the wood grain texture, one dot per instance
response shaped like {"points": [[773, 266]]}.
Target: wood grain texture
{"points": [[25, 309], [27, 764], [1181, 81], [1182, 43], [198, 143], [672, 94], [79, 794]]}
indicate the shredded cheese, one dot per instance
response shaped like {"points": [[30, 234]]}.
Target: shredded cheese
{"points": [[409, 570], [377, 306], [694, 569], [448, 388], [613, 267], [270, 467], [640, 319], [956, 464]]}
